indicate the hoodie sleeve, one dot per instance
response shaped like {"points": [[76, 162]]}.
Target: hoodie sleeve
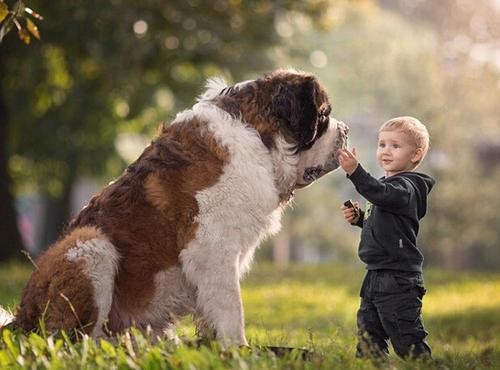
{"points": [[391, 195]]}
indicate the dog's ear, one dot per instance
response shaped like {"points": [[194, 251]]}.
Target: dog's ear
{"points": [[296, 108]]}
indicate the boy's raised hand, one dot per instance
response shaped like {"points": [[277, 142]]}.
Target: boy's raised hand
{"points": [[347, 160]]}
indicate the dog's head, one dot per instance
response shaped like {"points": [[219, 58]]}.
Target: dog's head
{"points": [[291, 112], [303, 109]]}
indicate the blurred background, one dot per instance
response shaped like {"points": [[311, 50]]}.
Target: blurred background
{"points": [[82, 102]]}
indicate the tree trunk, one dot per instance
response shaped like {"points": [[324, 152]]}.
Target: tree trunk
{"points": [[58, 210], [10, 239]]}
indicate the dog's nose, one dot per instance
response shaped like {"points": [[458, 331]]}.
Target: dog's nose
{"points": [[343, 128]]}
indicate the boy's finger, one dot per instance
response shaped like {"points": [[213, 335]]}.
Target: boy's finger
{"points": [[346, 153], [352, 153]]}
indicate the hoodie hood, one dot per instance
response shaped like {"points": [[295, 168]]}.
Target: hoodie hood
{"points": [[423, 185], [422, 179]]}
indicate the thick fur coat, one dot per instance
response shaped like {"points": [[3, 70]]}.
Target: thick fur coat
{"points": [[175, 233]]}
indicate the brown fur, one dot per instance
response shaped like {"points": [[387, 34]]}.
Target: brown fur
{"points": [[265, 102], [147, 214], [152, 207], [58, 287]]}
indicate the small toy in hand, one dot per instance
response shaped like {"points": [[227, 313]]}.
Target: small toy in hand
{"points": [[349, 204]]}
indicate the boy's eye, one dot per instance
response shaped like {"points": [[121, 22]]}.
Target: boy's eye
{"points": [[381, 145], [395, 146]]}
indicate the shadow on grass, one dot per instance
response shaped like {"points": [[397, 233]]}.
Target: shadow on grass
{"points": [[478, 324]]}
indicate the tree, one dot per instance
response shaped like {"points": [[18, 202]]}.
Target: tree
{"points": [[107, 68], [9, 233], [12, 243]]}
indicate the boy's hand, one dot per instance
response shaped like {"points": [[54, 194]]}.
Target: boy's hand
{"points": [[351, 215], [347, 160]]}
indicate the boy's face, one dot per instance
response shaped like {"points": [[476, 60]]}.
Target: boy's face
{"points": [[397, 152]]}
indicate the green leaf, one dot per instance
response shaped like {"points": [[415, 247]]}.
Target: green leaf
{"points": [[7, 339], [4, 10], [37, 343], [108, 348]]}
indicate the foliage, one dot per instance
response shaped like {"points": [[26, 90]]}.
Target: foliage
{"points": [[20, 16], [108, 73], [459, 312], [113, 68]]}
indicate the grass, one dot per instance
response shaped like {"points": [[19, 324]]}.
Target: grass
{"points": [[311, 307]]}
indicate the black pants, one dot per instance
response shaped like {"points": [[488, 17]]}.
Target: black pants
{"points": [[391, 308]]}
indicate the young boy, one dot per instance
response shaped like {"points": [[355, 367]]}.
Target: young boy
{"points": [[393, 288]]}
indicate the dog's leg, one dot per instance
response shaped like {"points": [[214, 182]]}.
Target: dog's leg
{"points": [[204, 331], [216, 277], [101, 262]]}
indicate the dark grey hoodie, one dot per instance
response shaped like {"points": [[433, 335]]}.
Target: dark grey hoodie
{"points": [[391, 221]]}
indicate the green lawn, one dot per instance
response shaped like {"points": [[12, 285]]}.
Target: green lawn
{"points": [[301, 306]]}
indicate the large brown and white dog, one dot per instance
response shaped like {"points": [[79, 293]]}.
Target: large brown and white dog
{"points": [[176, 231]]}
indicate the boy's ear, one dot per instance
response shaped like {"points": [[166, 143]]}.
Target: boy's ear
{"points": [[417, 156]]}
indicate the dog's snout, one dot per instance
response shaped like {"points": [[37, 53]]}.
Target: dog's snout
{"points": [[342, 135], [343, 128]]}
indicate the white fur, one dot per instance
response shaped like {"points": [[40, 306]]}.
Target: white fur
{"points": [[320, 151], [214, 87], [323, 150], [237, 212], [234, 215], [285, 164], [174, 297], [101, 262]]}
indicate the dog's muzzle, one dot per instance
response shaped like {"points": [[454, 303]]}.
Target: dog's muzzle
{"points": [[341, 141]]}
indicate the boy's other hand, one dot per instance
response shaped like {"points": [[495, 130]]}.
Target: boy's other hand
{"points": [[351, 215], [347, 160]]}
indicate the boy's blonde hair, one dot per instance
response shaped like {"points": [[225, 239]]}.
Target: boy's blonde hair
{"points": [[414, 128]]}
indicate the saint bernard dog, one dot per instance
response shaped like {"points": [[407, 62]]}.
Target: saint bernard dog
{"points": [[174, 234]]}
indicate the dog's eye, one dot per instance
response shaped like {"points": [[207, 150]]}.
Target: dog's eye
{"points": [[326, 111]]}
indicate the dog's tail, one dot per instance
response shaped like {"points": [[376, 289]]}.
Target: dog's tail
{"points": [[6, 318]]}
